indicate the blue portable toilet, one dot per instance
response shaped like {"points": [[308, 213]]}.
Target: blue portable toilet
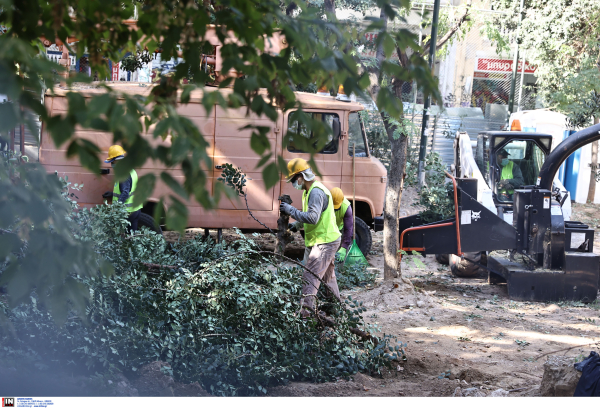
{"points": [[570, 170]]}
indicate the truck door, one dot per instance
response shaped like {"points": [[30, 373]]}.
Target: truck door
{"points": [[329, 159], [232, 145], [366, 176]]}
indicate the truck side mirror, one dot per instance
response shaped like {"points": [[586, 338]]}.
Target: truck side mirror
{"points": [[336, 128]]}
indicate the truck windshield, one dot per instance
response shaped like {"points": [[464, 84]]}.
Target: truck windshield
{"points": [[517, 164], [356, 135], [298, 131]]}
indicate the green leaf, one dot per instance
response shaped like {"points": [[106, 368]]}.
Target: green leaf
{"points": [[145, 187], [388, 45], [270, 175], [177, 215], [185, 95], [259, 142], [162, 127], [173, 184], [8, 117]]}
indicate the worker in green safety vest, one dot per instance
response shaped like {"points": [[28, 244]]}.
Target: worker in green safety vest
{"points": [[321, 234], [125, 189], [510, 178], [343, 220]]}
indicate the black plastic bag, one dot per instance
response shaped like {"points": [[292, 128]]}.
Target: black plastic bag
{"points": [[589, 383]]}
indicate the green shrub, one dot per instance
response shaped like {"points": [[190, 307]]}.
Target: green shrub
{"points": [[225, 316], [435, 195]]}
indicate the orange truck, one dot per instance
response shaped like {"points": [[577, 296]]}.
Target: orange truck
{"points": [[228, 143]]}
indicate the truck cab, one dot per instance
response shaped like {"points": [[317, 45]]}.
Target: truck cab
{"points": [[229, 142], [525, 154]]}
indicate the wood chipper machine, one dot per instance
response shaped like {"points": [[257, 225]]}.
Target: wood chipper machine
{"points": [[547, 257]]}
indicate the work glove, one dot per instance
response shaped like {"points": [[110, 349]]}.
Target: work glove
{"points": [[285, 208], [293, 227], [108, 194], [340, 255]]}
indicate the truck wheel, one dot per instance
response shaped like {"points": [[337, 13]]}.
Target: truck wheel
{"points": [[464, 268], [363, 236], [147, 221], [442, 258]]}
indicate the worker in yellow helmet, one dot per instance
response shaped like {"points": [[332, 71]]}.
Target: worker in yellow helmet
{"points": [[343, 220], [321, 234], [125, 189]]}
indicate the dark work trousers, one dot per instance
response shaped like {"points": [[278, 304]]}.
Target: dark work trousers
{"points": [[133, 219]]}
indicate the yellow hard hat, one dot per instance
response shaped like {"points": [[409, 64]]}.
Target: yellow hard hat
{"points": [[115, 152], [296, 166], [338, 196]]}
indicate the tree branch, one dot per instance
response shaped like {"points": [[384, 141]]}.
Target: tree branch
{"points": [[449, 34], [565, 349]]}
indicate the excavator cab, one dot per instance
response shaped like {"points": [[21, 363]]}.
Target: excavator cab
{"points": [[509, 161]]}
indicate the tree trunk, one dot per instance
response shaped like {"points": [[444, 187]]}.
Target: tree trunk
{"points": [[393, 194], [593, 169], [329, 6], [392, 268]]}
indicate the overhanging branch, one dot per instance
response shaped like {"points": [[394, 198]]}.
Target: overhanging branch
{"points": [[443, 40]]}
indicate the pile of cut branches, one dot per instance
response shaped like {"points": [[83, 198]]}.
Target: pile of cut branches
{"points": [[226, 316]]}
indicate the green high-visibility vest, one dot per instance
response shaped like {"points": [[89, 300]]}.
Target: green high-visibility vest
{"points": [[129, 201], [339, 214], [325, 230], [507, 174]]}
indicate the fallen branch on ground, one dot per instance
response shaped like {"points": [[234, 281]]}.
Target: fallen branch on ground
{"points": [[329, 322], [567, 349], [157, 266]]}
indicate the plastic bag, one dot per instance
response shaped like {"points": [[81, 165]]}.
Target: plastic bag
{"points": [[589, 383], [355, 255]]}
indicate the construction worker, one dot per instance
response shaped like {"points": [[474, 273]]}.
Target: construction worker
{"points": [[125, 189], [510, 178], [321, 234], [343, 220]]}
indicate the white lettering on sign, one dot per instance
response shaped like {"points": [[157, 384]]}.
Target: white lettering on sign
{"points": [[503, 65], [546, 202], [465, 217]]}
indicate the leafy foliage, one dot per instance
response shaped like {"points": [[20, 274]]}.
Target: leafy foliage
{"points": [[318, 51], [312, 55], [435, 195], [234, 178], [349, 276], [37, 248], [133, 62], [379, 145], [562, 37], [224, 316]]}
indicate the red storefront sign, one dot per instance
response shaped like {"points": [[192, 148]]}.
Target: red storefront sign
{"points": [[502, 65], [115, 72]]}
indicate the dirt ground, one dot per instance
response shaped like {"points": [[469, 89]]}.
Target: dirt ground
{"points": [[459, 332]]}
